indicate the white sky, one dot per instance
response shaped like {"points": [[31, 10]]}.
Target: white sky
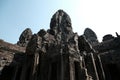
{"points": [[102, 16]]}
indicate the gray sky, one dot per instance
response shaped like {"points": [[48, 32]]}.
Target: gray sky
{"points": [[102, 16]]}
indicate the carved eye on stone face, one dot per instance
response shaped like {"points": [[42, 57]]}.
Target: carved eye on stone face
{"points": [[68, 24], [53, 24]]}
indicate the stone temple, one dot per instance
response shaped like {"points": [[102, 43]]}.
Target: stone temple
{"points": [[60, 54]]}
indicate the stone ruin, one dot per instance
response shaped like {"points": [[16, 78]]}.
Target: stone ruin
{"points": [[60, 54]]}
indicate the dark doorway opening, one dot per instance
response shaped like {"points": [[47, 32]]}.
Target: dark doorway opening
{"points": [[28, 73], [18, 74], [77, 70], [53, 71], [113, 71]]}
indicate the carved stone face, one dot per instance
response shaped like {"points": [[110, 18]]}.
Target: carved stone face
{"points": [[61, 22], [90, 36], [25, 37]]}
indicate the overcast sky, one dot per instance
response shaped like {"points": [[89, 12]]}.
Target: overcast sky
{"points": [[102, 16]]}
